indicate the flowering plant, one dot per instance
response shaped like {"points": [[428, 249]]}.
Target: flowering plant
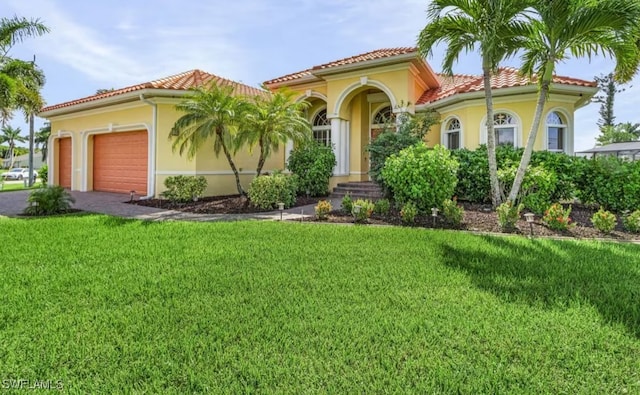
{"points": [[557, 217], [604, 221]]}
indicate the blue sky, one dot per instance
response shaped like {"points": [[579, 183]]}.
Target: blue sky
{"points": [[117, 43]]}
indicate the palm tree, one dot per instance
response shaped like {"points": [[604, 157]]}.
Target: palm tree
{"points": [[576, 28], [14, 30], [212, 114], [42, 140], [273, 120], [10, 136], [496, 27]]}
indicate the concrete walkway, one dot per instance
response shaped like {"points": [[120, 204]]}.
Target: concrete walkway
{"points": [[12, 204]]}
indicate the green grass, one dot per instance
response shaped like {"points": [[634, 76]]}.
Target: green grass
{"points": [[111, 305], [18, 186]]}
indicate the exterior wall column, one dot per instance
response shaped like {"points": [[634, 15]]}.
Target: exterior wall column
{"points": [[340, 132], [287, 152]]}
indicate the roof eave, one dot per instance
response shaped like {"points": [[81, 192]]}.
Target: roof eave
{"points": [[117, 99], [365, 64], [293, 81], [586, 92]]}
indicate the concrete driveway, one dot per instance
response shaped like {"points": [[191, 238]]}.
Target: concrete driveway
{"points": [[12, 204]]}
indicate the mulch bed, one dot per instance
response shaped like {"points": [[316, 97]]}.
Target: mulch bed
{"points": [[231, 204], [481, 218], [477, 217]]}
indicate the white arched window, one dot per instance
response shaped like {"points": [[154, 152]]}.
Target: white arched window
{"points": [[384, 116], [556, 132], [452, 134], [321, 128], [505, 128]]}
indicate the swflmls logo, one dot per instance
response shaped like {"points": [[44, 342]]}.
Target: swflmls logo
{"points": [[24, 384]]}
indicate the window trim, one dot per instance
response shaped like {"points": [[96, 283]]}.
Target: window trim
{"points": [[566, 126], [517, 127], [321, 128], [444, 132]]}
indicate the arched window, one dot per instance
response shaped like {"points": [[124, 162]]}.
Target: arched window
{"points": [[556, 132], [383, 120], [384, 116], [321, 128], [451, 136], [505, 127]]}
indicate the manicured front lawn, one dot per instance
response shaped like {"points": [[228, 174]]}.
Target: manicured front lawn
{"points": [[18, 186], [109, 305]]}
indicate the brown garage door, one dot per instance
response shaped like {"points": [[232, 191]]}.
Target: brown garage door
{"points": [[120, 162], [64, 162]]}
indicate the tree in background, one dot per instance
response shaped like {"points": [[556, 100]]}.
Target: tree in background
{"points": [[621, 133], [575, 28], [42, 140], [11, 136], [608, 88], [497, 28]]}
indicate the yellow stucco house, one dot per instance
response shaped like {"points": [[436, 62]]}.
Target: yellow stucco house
{"points": [[119, 141]]}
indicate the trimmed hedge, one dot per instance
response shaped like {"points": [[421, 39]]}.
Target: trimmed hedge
{"points": [[610, 182], [313, 163], [421, 175], [267, 191]]}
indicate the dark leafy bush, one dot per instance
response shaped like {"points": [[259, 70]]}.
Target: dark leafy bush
{"points": [[49, 201], [421, 175], [538, 186], [611, 182], [411, 131], [182, 189], [473, 175], [267, 191], [313, 163], [43, 173]]}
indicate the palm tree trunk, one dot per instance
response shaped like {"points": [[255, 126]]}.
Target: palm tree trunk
{"points": [[533, 133], [491, 140], [262, 158], [11, 145], [232, 165]]}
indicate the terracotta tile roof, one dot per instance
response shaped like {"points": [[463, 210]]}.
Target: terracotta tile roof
{"points": [[373, 55], [507, 77], [178, 82]]}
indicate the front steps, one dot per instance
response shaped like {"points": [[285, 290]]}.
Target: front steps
{"points": [[358, 190]]}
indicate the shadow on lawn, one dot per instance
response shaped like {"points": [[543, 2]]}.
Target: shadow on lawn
{"points": [[553, 274]]}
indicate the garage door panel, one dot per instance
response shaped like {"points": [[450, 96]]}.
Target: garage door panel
{"points": [[64, 162], [120, 162]]}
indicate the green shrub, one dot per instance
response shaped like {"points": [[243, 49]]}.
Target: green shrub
{"points": [[537, 190], [631, 222], [408, 213], [473, 175], [610, 182], [394, 139], [362, 210], [382, 207], [182, 189], [313, 163], [557, 217], [508, 215], [49, 201], [43, 173], [604, 221], [452, 211], [347, 204], [323, 208], [267, 191], [421, 175]]}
